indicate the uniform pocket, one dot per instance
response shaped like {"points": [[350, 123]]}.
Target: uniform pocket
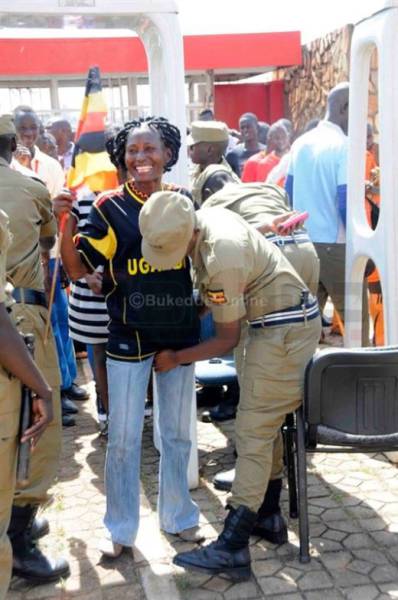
{"points": [[8, 449], [10, 405]]}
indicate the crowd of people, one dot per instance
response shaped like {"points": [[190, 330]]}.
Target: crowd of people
{"points": [[142, 264]]}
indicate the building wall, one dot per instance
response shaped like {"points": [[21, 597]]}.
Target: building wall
{"points": [[264, 100], [326, 62]]}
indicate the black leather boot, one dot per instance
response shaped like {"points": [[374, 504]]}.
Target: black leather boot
{"points": [[229, 554], [40, 528], [28, 560], [270, 525]]}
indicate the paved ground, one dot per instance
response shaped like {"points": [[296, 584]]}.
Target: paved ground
{"points": [[353, 503]]}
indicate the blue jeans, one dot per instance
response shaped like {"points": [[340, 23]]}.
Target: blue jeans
{"points": [[128, 383], [90, 356], [60, 326]]}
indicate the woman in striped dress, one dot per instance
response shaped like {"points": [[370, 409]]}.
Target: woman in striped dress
{"points": [[88, 315]]}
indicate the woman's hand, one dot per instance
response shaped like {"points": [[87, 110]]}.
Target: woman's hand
{"points": [[94, 282], [62, 204], [165, 361]]}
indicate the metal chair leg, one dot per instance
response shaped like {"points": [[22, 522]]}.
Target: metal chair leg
{"points": [[302, 489], [288, 436]]}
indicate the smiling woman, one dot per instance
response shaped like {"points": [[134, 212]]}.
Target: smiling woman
{"points": [[156, 134], [150, 310]]}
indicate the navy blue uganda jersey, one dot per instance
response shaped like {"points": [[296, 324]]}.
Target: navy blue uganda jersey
{"points": [[149, 309]]}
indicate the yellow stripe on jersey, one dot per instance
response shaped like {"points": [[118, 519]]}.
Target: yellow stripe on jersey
{"points": [[105, 246]]}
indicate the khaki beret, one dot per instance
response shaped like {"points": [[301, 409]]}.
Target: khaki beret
{"points": [[167, 222], [207, 131]]}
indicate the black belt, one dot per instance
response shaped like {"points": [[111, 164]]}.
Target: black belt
{"points": [[29, 296]]}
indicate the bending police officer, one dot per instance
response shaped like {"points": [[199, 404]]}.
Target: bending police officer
{"points": [[239, 274], [261, 205]]}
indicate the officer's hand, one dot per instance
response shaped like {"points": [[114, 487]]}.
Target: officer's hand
{"points": [[165, 360], [63, 203], [277, 223], [42, 415], [94, 282]]}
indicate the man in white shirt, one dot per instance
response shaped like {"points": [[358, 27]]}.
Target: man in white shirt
{"points": [[48, 169], [62, 131]]}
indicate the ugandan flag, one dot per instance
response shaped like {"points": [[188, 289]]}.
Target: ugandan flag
{"points": [[91, 165]]}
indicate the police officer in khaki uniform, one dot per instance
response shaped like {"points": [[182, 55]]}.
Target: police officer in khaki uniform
{"points": [[239, 274], [16, 366], [28, 206], [261, 204], [207, 143]]}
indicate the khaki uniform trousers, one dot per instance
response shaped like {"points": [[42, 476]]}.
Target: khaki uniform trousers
{"points": [[271, 380], [10, 405], [45, 459], [239, 353], [303, 257]]}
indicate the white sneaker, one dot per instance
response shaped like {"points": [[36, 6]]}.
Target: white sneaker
{"points": [[110, 549]]}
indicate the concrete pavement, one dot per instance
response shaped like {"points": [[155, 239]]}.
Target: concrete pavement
{"points": [[353, 505]]}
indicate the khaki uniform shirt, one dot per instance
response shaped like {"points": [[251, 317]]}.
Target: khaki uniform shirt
{"points": [[238, 273], [200, 177], [257, 203], [5, 240], [260, 203], [28, 206]]}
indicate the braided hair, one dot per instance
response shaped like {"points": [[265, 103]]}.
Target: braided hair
{"points": [[169, 134]]}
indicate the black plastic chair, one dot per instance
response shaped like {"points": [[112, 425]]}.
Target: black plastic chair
{"points": [[350, 405]]}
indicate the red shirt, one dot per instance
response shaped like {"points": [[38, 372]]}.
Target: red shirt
{"points": [[258, 166]]}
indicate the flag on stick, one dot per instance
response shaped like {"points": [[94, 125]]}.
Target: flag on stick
{"points": [[91, 165]]}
